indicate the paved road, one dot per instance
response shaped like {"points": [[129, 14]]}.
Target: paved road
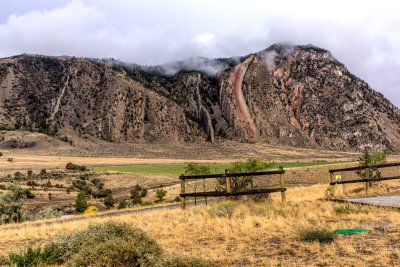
{"points": [[387, 201]]}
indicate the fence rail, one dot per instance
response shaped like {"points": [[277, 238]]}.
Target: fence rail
{"points": [[229, 191], [385, 165], [368, 179]]}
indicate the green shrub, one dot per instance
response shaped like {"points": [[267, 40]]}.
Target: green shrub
{"points": [[317, 235], [102, 193], [137, 192], [223, 209], [147, 203], [80, 202], [28, 257], [73, 167], [29, 194], [109, 201], [137, 201], [122, 204], [177, 199], [108, 244], [32, 183], [160, 194]]}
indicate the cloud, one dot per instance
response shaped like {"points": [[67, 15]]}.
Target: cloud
{"points": [[155, 32]]}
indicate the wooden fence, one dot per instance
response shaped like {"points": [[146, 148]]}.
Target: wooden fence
{"points": [[228, 190], [337, 179]]}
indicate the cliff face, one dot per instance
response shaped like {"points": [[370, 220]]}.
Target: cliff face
{"points": [[298, 96]]}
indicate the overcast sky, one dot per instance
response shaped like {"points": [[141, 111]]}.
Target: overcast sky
{"points": [[364, 35]]}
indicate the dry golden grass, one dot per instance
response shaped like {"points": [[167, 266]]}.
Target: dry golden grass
{"points": [[257, 235]]}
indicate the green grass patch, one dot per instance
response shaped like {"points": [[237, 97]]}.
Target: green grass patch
{"points": [[177, 169], [317, 235]]}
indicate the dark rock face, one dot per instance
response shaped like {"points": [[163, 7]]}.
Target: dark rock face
{"points": [[297, 96]]}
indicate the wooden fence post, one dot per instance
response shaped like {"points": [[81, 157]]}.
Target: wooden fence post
{"points": [[368, 178], [228, 183], [183, 203], [282, 182]]}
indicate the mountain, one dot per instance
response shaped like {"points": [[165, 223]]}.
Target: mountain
{"points": [[284, 95]]}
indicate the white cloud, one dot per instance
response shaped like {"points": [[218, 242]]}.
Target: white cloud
{"points": [[205, 38], [364, 36]]}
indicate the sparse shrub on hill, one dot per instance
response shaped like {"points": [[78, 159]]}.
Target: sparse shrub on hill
{"points": [[109, 201], [73, 167], [11, 204], [80, 202], [138, 192], [123, 204], [160, 194], [102, 193]]}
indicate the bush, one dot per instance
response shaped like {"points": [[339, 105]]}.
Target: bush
{"points": [[177, 199], [10, 159], [160, 194], [73, 167], [240, 183], [147, 203], [122, 204], [28, 257], [95, 181], [317, 235], [109, 201], [48, 213], [90, 210], [138, 192], [29, 194], [102, 193], [32, 183], [80, 202], [108, 244], [223, 209], [137, 201]]}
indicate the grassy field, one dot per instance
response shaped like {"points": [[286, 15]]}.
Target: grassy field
{"points": [[176, 169], [252, 233]]}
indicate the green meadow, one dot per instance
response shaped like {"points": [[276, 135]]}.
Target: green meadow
{"points": [[177, 169]]}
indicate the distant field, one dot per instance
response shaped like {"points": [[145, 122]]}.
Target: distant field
{"points": [[176, 169]]}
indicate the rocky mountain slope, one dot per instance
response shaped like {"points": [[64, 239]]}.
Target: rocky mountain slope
{"points": [[296, 96]]}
